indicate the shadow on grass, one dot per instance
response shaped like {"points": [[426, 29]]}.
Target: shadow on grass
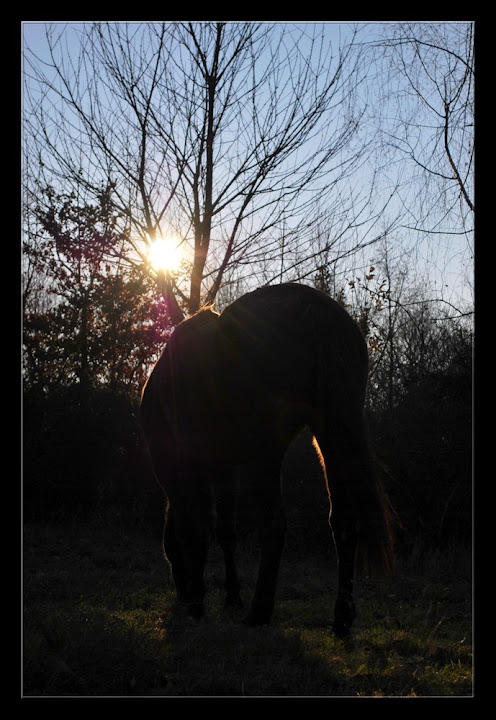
{"points": [[100, 619], [96, 651]]}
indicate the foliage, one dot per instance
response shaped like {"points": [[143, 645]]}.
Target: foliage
{"points": [[107, 324], [426, 442], [83, 460], [123, 331]]}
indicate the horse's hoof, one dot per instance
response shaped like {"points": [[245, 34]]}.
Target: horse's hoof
{"points": [[344, 616], [256, 618], [250, 621], [341, 629], [233, 602], [196, 610]]}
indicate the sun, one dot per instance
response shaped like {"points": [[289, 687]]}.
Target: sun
{"points": [[164, 254]]}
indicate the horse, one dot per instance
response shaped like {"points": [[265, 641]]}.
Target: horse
{"points": [[234, 389]]}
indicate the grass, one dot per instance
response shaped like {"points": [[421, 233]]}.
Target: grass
{"points": [[100, 620]]}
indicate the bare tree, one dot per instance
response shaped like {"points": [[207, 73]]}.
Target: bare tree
{"points": [[427, 90], [228, 134]]}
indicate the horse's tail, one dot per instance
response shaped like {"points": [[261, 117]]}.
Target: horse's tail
{"points": [[339, 371], [376, 520], [372, 510], [374, 515]]}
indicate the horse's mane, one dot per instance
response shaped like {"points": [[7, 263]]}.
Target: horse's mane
{"points": [[199, 319]]}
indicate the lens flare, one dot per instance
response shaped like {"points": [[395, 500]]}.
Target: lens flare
{"points": [[164, 254]]}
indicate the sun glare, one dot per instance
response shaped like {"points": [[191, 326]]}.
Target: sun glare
{"points": [[164, 254]]}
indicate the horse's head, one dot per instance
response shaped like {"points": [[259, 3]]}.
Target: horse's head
{"points": [[176, 411]]}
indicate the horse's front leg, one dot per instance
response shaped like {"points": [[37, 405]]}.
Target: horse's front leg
{"points": [[186, 552], [174, 555], [187, 539], [226, 501]]}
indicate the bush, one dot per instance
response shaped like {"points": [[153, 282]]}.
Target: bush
{"points": [[426, 443], [83, 460]]}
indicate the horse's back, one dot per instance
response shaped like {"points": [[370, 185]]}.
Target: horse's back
{"points": [[292, 345], [284, 313]]}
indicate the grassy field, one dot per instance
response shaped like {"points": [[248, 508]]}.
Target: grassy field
{"points": [[100, 620]]}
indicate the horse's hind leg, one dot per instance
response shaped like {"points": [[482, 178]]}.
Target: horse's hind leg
{"points": [[345, 538], [226, 499], [341, 463], [271, 522]]}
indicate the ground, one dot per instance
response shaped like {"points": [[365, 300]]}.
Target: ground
{"points": [[100, 620]]}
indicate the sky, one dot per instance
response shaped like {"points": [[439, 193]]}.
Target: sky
{"points": [[447, 259]]}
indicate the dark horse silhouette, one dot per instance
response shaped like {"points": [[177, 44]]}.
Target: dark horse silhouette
{"points": [[235, 389]]}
